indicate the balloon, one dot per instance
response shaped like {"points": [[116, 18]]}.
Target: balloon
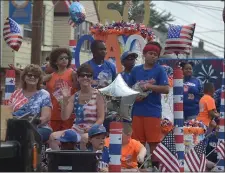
{"points": [[77, 13]]}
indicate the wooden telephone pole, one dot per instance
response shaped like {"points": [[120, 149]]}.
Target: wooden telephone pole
{"points": [[37, 22]]}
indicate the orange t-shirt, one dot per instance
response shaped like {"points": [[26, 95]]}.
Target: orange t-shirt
{"points": [[129, 153], [206, 104], [53, 87]]}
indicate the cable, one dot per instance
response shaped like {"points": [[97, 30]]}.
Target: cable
{"points": [[200, 6], [216, 31], [190, 22], [200, 14]]}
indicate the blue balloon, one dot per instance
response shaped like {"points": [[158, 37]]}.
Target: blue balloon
{"points": [[77, 13]]}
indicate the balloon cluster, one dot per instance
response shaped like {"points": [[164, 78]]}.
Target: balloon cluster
{"points": [[194, 127], [166, 126], [77, 13], [123, 28]]}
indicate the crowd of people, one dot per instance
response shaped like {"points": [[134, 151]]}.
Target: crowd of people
{"points": [[72, 110]]}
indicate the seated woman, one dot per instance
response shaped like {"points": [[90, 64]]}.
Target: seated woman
{"points": [[87, 104], [31, 98]]}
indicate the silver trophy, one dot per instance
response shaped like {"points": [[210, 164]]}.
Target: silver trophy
{"points": [[119, 99]]}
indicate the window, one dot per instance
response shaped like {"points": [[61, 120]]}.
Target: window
{"points": [[27, 33], [80, 30]]}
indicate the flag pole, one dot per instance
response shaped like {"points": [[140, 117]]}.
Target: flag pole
{"points": [[178, 115]]}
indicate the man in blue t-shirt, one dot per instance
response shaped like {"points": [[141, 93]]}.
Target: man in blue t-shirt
{"points": [[104, 71], [147, 110], [128, 61]]}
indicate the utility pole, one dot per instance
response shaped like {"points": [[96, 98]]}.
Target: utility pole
{"points": [[1, 31], [36, 32]]}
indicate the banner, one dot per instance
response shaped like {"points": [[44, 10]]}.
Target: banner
{"points": [[20, 11], [205, 69]]}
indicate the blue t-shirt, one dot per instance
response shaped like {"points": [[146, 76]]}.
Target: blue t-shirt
{"points": [[151, 105], [105, 72], [103, 160], [217, 97], [125, 76], [193, 92]]}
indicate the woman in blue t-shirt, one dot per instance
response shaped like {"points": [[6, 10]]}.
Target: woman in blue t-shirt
{"points": [[193, 91]]}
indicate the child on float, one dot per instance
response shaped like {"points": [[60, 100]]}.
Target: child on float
{"points": [[147, 110], [128, 61], [133, 152], [209, 116], [207, 112], [97, 134], [69, 140]]}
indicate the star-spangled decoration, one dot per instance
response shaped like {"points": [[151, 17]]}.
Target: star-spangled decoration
{"points": [[11, 81], [181, 98], [167, 148]]}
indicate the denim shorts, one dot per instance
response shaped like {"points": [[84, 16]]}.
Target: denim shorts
{"points": [[45, 133]]}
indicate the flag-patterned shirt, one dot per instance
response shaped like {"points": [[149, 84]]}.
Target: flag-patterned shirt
{"points": [[86, 114]]}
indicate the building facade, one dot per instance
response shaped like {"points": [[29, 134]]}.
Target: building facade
{"points": [[23, 57], [63, 32]]}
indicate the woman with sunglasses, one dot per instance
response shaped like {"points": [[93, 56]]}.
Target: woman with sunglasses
{"points": [[31, 98], [60, 60], [87, 104]]}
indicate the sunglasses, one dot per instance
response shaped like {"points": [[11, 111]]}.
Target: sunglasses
{"points": [[88, 75], [131, 58], [32, 75], [63, 57]]}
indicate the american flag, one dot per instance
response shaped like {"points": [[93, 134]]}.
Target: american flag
{"points": [[196, 158], [220, 149], [12, 34], [167, 155], [179, 39], [68, 3]]}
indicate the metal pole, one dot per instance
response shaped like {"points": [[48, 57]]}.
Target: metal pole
{"points": [[37, 32]]}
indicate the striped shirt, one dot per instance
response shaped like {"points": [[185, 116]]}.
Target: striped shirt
{"points": [[86, 114]]}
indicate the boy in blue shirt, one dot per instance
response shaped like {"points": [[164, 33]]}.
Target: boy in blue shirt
{"points": [[104, 71], [97, 135], [128, 61], [147, 111]]}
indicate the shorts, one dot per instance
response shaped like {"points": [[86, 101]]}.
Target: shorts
{"points": [[45, 133], [147, 129], [58, 125]]}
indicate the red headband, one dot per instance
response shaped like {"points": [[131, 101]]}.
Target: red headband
{"points": [[151, 47]]}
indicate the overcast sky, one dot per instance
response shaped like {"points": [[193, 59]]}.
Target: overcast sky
{"points": [[206, 20]]}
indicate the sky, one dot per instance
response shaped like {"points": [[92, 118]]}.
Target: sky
{"points": [[206, 20]]}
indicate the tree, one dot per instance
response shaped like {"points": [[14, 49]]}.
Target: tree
{"points": [[158, 20]]}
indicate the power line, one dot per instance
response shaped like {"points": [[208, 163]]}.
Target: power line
{"points": [[190, 22], [200, 14], [216, 31], [198, 5]]}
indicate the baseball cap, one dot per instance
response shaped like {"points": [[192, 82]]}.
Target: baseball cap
{"points": [[96, 129], [70, 136], [126, 54]]}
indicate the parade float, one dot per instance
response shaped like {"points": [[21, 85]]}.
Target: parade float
{"points": [[121, 36]]}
